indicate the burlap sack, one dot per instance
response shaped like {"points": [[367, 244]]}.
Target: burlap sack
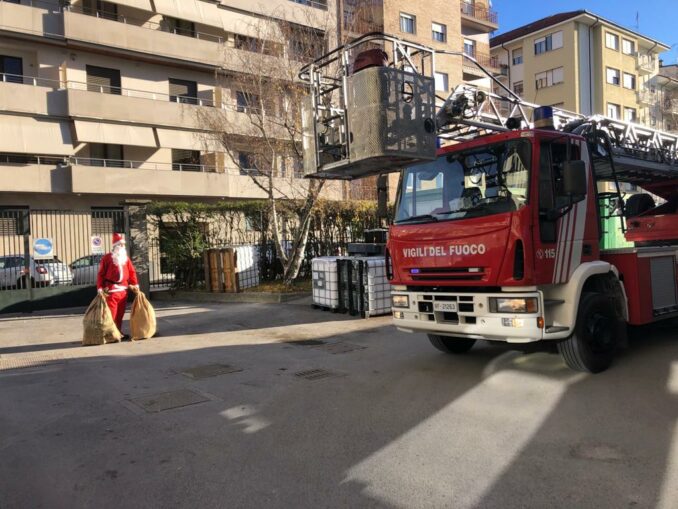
{"points": [[142, 320], [98, 324]]}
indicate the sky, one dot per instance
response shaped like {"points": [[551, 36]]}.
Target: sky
{"points": [[657, 19]]}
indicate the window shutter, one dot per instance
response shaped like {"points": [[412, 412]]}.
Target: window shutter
{"points": [[557, 40], [558, 75]]}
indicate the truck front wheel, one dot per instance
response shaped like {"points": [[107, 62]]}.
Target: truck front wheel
{"points": [[451, 345], [596, 335]]}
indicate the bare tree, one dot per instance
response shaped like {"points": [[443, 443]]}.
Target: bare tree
{"points": [[259, 126]]}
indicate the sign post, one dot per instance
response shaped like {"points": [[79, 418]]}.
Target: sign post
{"points": [[97, 245]]}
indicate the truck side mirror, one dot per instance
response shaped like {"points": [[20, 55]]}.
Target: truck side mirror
{"points": [[574, 178]]}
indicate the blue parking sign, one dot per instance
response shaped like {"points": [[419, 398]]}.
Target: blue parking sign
{"points": [[43, 249]]}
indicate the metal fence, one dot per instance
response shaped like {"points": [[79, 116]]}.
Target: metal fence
{"points": [[54, 248], [168, 271]]}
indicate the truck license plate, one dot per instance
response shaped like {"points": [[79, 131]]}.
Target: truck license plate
{"points": [[449, 307]]}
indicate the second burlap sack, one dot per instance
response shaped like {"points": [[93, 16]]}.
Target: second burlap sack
{"points": [[142, 321]]}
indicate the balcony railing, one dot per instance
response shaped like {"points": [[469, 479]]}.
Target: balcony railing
{"points": [[29, 80], [489, 62], [140, 165], [479, 12], [151, 25], [141, 94], [645, 62], [647, 97]]}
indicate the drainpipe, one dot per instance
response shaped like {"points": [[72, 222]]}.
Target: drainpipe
{"points": [[591, 91], [508, 61]]}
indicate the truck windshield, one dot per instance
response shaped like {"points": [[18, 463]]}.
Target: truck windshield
{"points": [[469, 183]]}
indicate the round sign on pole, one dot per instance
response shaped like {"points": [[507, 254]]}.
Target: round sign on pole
{"points": [[97, 245], [43, 249]]}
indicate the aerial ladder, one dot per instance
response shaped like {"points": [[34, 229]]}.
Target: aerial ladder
{"points": [[357, 125]]}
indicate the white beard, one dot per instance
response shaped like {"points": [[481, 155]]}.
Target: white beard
{"points": [[119, 255]]}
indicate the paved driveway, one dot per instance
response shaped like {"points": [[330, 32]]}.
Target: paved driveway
{"points": [[285, 406]]}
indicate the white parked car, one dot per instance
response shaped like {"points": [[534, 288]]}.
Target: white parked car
{"points": [[85, 270], [13, 273]]}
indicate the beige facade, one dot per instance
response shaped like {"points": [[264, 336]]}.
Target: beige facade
{"points": [[580, 62], [111, 91]]}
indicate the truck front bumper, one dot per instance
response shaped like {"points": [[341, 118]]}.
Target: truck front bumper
{"points": [[468, 315]]}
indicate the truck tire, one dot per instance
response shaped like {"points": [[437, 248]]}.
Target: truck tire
{"points": [[451, 345], [596, 335]]}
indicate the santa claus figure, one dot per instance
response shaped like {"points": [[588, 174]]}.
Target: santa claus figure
{"points": [[116, 275]]}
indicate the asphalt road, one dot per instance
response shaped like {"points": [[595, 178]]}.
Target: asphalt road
{"points": [[355, 415]]}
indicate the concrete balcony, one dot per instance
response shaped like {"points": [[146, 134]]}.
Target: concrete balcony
{"points": [[154, 180], [37, 19], [131, 107], [148, 39], [25, 94], [21, 174], [647, 97], [479, 16]]}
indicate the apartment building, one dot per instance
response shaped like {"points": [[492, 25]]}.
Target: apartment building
{"points": [[581, 62], [458, 26], [99, 100]]}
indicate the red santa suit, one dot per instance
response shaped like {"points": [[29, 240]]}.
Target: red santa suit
{"points": [[114, 279]]}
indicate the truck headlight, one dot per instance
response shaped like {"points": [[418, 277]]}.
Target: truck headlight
{"points": [[513, 305], [401, 301]]}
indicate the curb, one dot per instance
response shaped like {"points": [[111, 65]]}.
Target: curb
{"points": [[243, 298]]}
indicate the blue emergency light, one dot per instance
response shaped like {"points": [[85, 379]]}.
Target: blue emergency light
{"points": [[543, 117]]}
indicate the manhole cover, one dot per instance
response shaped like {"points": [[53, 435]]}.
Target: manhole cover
{"points": [[317, 374], [30, 360], [307, 342], [335, 348], [209, 371], [168, 400]]}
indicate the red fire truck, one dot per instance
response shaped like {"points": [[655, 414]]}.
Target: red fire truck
{"points": [[499, 208]]}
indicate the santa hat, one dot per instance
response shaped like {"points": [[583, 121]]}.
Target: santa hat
{"points": [[118, 238]]}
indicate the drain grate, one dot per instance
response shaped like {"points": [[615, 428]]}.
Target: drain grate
{"points": [[336, 348], [317, 374], [209, 371], [307, 342], [168, 400], [30, 360]]}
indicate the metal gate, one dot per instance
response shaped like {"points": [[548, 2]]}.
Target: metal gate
{"points": [[50, 258]]}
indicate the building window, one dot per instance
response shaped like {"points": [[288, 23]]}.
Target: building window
{"points": [[14, 220], [183, 91], [248, 163], [180, 26], [518, 88], [628, 47], [11, 69], [107, 220], [549, 78], [186, 160], [247, 102], [470, 47], [442, 82], [629, 81], [103, 80], [612, 41], [439, 32], [106, 154], [549, 43], [630, 114], [517, 56], [613, 76], [613, 111], [408, 23]]}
